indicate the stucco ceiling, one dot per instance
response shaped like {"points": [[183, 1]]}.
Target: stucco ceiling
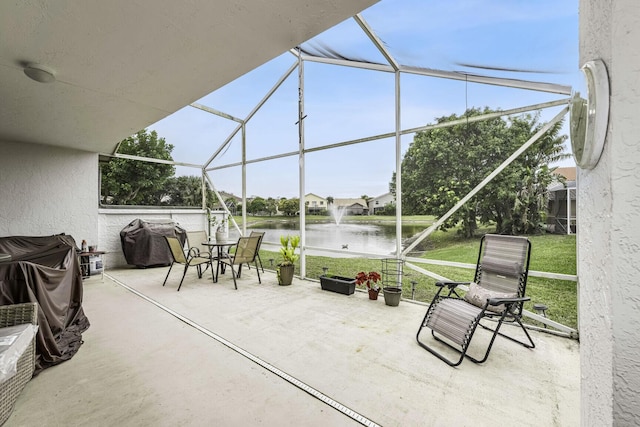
{"points": [[122, 65]]}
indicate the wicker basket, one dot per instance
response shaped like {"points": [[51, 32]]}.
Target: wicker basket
{"points": [[11, 315]]}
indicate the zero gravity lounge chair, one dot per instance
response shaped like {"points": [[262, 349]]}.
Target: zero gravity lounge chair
{"points": [[497, 293]]}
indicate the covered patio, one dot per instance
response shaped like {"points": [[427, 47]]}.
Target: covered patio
{"points": [[283, 355], [142, 366]]}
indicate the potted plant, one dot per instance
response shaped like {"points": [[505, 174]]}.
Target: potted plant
{"points": [[369, 280], [286, 266], [392, 280], [392, 295]]}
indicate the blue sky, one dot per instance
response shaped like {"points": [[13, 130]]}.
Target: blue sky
{"points": [[343, 103]]}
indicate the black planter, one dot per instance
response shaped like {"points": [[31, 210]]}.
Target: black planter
{"points": [[341, 285]]}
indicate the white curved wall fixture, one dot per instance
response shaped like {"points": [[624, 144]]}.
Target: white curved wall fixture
{"points": [[590, 117]]}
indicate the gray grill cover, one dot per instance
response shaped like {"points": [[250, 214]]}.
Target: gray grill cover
{"points": [[144, 245]]}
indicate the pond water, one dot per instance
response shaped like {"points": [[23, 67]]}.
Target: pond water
{"points": [[372, 237]]}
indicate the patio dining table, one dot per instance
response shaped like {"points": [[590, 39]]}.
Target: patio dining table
{"points": [[219, 245]]}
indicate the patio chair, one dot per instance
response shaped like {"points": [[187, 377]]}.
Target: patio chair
{"points": [[194, 241], [246, 251], [191, 259], [497, 293], [261, 235]]}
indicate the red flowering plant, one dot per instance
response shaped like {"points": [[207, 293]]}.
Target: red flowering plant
{"points": [[369, 280]]}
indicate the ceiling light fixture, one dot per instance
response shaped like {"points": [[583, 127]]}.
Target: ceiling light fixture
{"points": [[40, 73]]}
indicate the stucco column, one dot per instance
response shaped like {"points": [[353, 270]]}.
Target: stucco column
{"points": [[609, 227]]}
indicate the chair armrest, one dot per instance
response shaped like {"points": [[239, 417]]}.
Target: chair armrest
{"points": [[193, 252], [450, 285], [498, 301], [452, 288]]}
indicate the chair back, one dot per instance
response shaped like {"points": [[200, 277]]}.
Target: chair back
{"points": [[195, 239], [176, 250], [259, 234], [503, 263], [246, 249]]}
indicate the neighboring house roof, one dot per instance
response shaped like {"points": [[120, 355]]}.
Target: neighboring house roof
{"points": [[380, 201], [314, 195], [226, 195], [314, 198], [569, 173], [385, 196], [350, 202], [558, 186]]}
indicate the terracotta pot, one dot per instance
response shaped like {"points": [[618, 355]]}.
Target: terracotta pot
{"points": [[373, 294]]}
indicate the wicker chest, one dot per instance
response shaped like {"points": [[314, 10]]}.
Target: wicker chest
{"points": [[10, 389]]}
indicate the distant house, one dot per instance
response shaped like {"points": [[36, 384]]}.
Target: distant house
{"points": [[352, 206], [315, 204], [377, 204], [233, 202], [561, 211]]}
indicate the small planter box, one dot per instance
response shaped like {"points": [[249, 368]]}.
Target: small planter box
{"points": [[341, 285]]}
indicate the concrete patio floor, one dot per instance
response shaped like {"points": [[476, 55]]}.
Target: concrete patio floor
{"points": [[143, 366]]}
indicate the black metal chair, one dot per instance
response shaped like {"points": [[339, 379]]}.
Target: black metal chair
{"points": [[246, 251], [191, 259], [497, 293]]}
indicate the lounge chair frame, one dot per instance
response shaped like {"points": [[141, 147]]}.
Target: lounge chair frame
{"points": [[453, 320]]}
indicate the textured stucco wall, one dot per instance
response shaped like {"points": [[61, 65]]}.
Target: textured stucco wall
{"points": [[609, 238], [47, 190], [112, 221]]}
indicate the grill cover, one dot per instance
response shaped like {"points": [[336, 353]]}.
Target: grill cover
{"points": [[46, 270], [144, 245]]}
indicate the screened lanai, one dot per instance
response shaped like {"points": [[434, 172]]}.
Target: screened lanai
{"points": [[347, 103], [122, 66]]}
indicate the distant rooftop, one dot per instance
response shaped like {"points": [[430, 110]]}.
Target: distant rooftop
{"points": [[568, 172]]}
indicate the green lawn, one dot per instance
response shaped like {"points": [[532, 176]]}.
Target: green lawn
{"points": [[549, 253]]}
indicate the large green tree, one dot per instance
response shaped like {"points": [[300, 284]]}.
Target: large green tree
{"points": [[271, 206], [256, 206], [133, 182], [186, 191], [442, 165], [289, 207]]}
